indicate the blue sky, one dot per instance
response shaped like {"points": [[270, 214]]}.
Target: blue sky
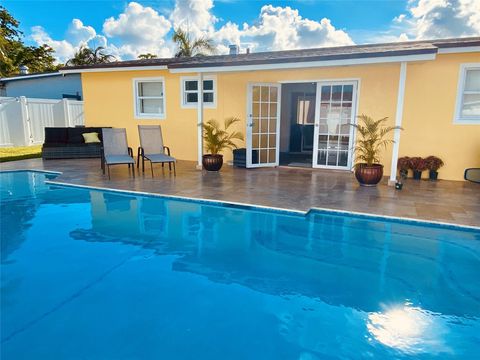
{"points": [[127, 29]]}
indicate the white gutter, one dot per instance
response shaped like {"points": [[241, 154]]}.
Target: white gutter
{"points": [[458, 50], [398, 122], [308, 64], [32, 76], [200, 122], [110, 69]]}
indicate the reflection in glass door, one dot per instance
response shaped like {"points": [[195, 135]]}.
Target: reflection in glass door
{"points": [[333, 132], [263, 124]]}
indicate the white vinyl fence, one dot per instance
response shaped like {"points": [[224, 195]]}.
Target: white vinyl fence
{"points": [[23, 120]]}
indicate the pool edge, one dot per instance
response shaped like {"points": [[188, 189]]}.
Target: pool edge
{"points": [[52, 172], [394, 218], [224, 203], [271, 208]]}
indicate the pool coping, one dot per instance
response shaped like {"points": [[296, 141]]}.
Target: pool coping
{"points": [[249, 206]]}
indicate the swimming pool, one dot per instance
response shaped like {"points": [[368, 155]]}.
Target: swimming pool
{"points": [[89, 274]]}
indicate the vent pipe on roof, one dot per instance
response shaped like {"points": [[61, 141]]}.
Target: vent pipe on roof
{"points": [[234, 49], [23, 70]]}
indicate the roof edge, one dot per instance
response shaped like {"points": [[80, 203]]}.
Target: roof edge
{"points": [[29, 76]]}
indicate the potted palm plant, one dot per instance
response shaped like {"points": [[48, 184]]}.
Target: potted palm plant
{"points": [[368, 169], [216, 140], [418, 165], [433, 163]]}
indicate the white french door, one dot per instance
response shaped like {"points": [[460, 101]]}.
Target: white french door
{"points": [[333, 134], [263, 125]]}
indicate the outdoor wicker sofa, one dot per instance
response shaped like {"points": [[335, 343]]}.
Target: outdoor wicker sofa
{"points": [[68, 143]]}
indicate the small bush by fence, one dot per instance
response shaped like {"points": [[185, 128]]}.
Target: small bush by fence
{"points": [[23, 120]]}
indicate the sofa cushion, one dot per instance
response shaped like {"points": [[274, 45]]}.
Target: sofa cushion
{"points": [[56, 135], [91, 137]]}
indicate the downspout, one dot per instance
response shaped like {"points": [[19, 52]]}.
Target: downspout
{"points": [[200, 122], [398, 122]]}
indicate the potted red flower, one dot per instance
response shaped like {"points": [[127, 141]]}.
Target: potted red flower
{"points": [[418, 165], [403, 165], [433, 163]]}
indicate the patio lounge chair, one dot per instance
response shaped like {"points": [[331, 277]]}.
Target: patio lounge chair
{"points": [[152, 148], [473, 175], [115, 150]]}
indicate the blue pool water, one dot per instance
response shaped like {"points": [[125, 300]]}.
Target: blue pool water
{"points": [[97, 275]]}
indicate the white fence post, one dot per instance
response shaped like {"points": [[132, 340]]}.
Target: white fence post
{"points": [[27, 129], [66, 113]]}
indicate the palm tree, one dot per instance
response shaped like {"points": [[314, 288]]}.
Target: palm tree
{"points": [[372, 139], [188, 47], [87, 56], [218, 139], [147, 56]]}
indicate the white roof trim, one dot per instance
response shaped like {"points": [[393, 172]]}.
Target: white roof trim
{"points": [[456, 50], [308, 64], [32, 76], [109, 69]]}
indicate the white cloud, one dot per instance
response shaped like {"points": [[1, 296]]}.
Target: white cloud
{"points": [[136, 30], [194, 15], [443, 18], [63, 49], [432, 19], [282, 28], [78, 33], [139, 29]]}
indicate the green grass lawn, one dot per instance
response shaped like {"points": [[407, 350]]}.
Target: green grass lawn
{"points": [[20, 153]]}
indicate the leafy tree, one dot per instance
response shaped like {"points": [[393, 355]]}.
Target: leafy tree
{"points": [[87, 56], [147, 56], [14, 53], [188, 47]]}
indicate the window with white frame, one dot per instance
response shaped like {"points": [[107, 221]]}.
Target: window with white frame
{"points": [[468, 98], [149, 98], [190, 92]]}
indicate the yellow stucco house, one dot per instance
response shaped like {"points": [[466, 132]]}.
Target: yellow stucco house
{"points": [[296, 106]]}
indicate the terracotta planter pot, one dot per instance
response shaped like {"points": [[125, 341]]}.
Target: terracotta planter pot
{"points": [[212, 162], [369, 175]]}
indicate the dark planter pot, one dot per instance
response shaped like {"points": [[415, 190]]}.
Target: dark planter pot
{"points": [[403, 174], [417, 175], [212, 162], [433, 175], [369, 175]]}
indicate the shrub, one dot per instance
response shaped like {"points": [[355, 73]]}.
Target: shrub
{"points": [[417, 164], [433, 163], [403, 163]]}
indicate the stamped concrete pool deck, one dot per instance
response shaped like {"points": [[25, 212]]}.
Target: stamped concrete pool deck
{"points": [[454, 202]]}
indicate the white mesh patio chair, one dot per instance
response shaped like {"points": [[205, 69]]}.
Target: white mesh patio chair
{"points": [[115, 150], [152, 148]]}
